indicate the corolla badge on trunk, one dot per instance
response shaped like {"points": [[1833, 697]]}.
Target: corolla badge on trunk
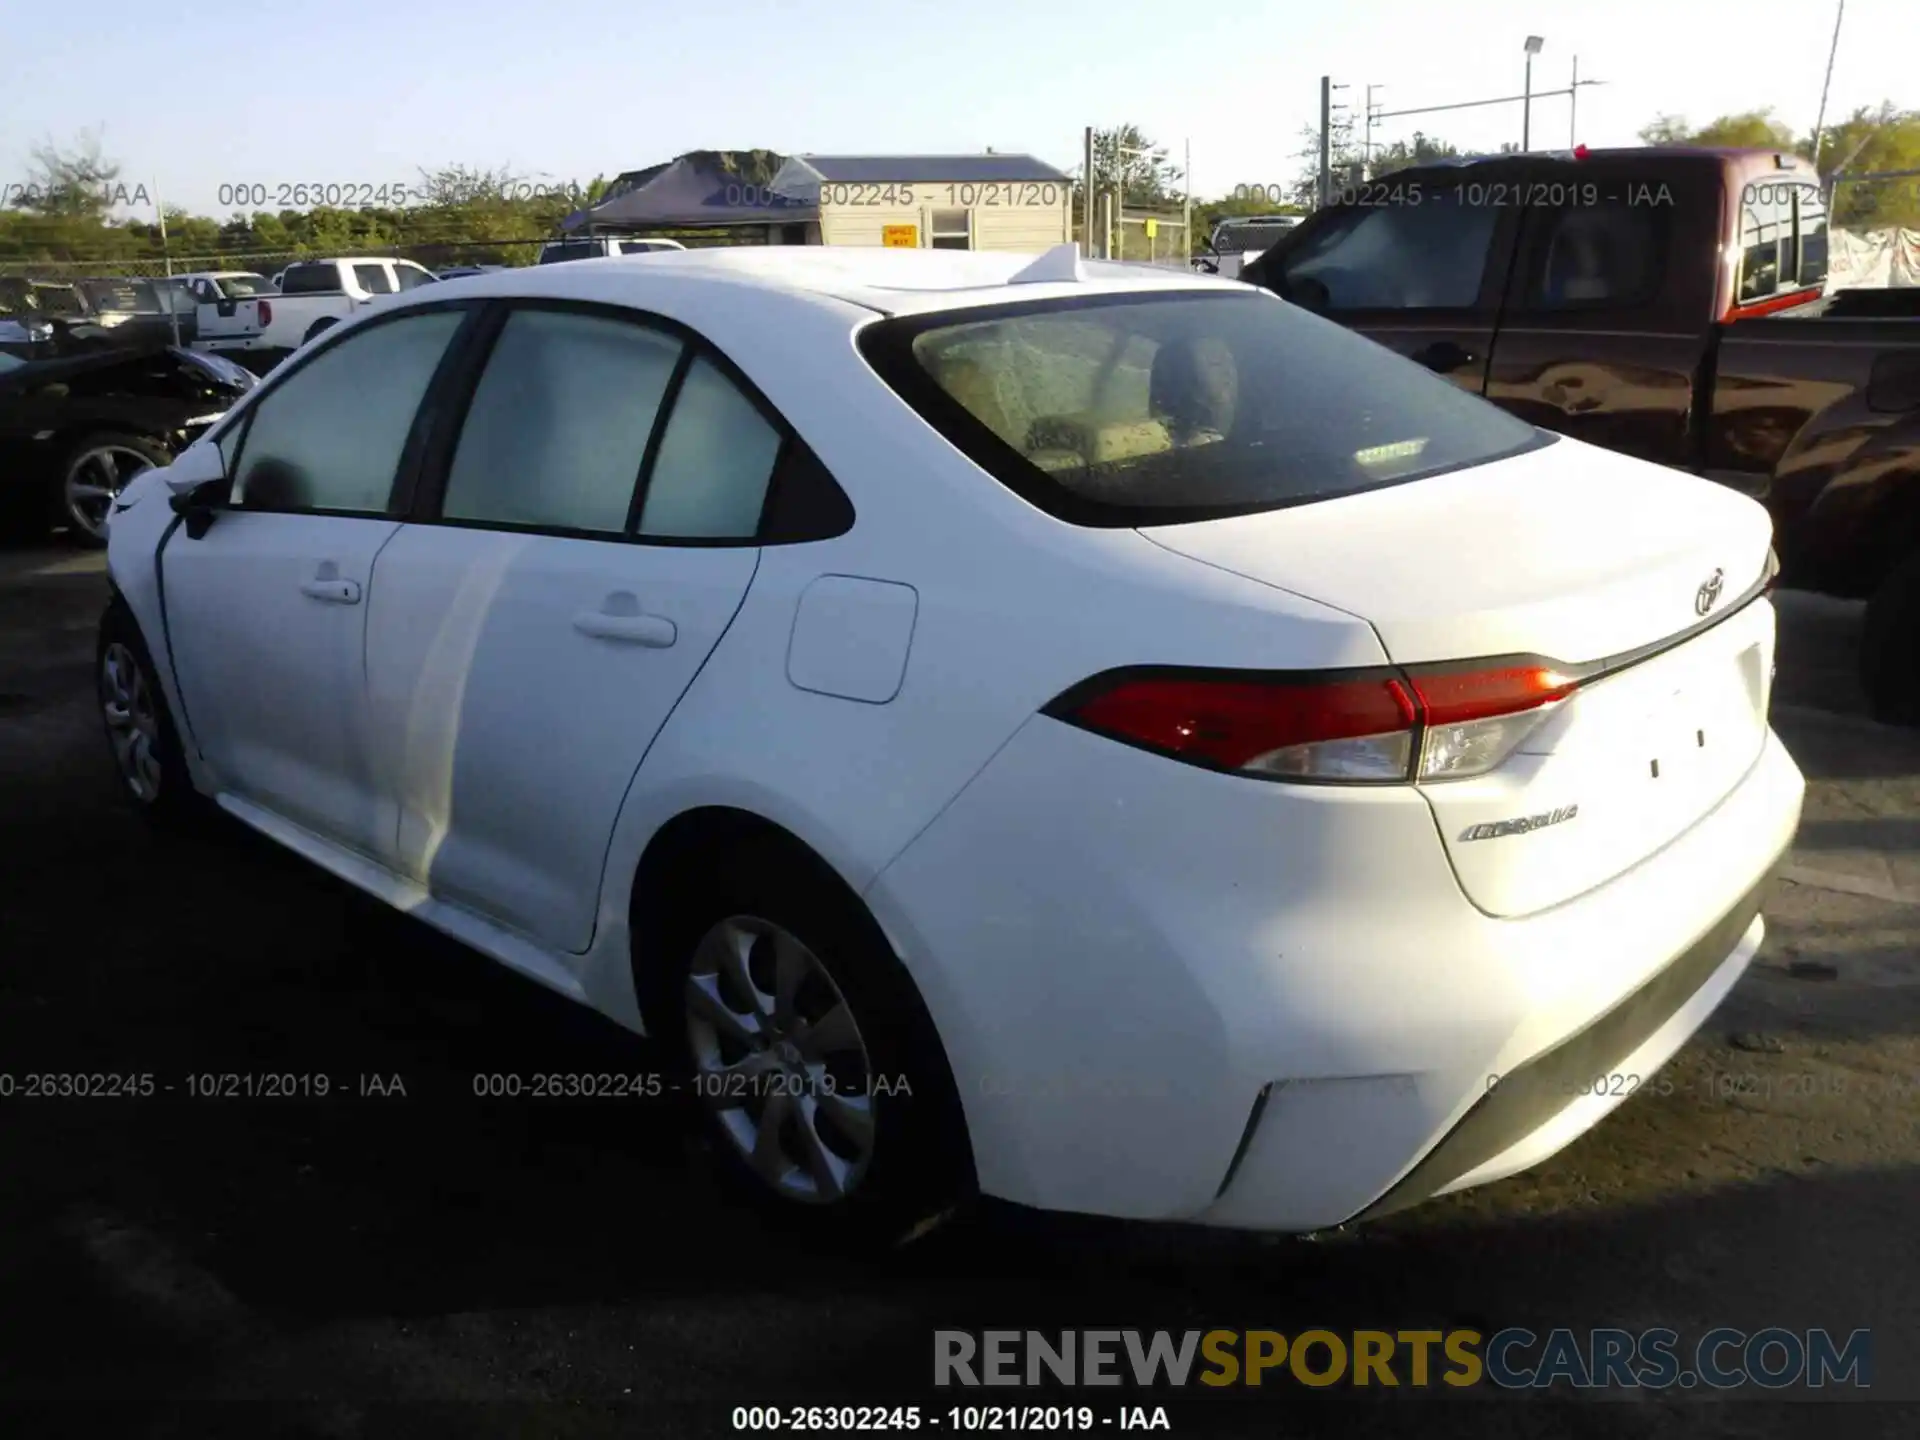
{"points": [[1708, 595], [1524, 825]]}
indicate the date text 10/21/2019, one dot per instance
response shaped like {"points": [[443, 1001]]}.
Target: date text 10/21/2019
{"points": [[1476, 194]]}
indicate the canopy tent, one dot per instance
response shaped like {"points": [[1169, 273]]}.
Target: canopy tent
{"points": [[704, 188]]}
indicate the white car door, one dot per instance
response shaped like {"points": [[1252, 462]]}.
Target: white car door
{"points": [[266, 610], [531, 634]]}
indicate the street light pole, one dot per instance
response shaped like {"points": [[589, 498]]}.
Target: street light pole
{"points": [[1534, 42]]}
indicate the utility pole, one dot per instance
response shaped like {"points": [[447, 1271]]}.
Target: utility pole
{"points": [[1573, 107], [1086, 197], [1366, 143], [1534, 42], [1820, 120], [1186, 200], [166, 252], [1325, 188]]}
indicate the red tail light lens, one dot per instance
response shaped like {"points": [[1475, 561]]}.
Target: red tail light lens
{"points": [[1354, 727], [266, 314]]}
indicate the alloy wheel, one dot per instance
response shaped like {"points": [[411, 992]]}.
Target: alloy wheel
{"points": [[133, 721], [779, 1060], [94, 480]]}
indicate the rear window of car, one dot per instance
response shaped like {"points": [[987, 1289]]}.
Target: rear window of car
{"points": [[237, 287], [1119, 410], [572, 250]]}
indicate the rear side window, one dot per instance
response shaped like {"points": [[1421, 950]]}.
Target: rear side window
{"points": [[1598, 255], [1766, 221], [1810, 229], [330, 436], [1128, 410], [309, 280], [709, 480], [1398, 257], [558, 427]]}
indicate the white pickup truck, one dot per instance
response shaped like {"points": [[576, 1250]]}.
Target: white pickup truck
{"points": [[315, 295], [223, 318], [1236, 241]]}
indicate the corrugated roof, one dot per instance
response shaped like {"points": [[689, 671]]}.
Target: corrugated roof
{"points": [[958, 169]]}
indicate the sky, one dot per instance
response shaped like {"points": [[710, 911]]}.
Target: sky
{"points": [[363, 93]]}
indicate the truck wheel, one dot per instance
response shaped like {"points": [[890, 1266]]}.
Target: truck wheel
{"points": [[1890, 646], [318, 326]]}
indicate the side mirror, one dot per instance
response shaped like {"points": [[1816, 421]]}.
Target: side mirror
{"points": [[197, 484]]}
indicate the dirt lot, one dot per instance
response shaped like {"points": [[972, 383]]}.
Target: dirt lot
{"points": [[427, 1263]]}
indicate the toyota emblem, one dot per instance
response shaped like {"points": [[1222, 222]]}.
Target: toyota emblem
{"points": [[1709, 593]]}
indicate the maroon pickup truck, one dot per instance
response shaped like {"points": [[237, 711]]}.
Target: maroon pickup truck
{"points": [[1666, 303]]}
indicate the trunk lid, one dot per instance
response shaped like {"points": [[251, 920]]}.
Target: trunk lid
{"points": [[1576, 555]]}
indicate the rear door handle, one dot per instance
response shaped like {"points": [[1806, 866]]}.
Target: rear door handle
{"points": [[1443, 356], [334, 592], [654, 631]]}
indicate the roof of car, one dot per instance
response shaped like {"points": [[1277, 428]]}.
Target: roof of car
{"points": [[856, 169], [891, 281]]}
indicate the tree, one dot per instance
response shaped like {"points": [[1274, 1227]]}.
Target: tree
{"points": [[1749, 129], [1422, 149], [1873, 140], [74, 184], [1126, 158]]}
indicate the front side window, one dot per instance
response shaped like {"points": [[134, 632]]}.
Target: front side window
{"points": [[1130, 411], [1398, 257], [412, 277], [373, 279], [330, 436], [709, 480], [558, 427]]}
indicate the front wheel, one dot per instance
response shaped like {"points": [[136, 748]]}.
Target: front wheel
{"points": [[1890, 646], [92, 476], [141, 734]]}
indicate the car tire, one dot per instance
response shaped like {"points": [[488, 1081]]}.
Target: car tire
{"points": [[91, 474], [1890, 646], [318, 327], [878, 1117], [141, 735]]}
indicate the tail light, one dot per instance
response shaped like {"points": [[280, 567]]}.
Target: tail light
{"points": [[1385, 726], [266, 314]]}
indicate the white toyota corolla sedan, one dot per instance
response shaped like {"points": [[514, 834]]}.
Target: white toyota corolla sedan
{"points": [[1103, 738]]}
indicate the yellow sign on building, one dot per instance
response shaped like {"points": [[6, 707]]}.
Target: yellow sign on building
{"points": [[900, 237]]}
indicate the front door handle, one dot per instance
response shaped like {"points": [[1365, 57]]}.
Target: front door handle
{"points": [[1444, 356], [334, 592], [654, 631]]}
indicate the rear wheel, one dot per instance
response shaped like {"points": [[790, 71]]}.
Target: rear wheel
{"points": [[319, 327], [791, 1024], [1890, 646], [92, 476]]}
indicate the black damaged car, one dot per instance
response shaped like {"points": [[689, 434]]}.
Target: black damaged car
{"points": [[79, 419]]}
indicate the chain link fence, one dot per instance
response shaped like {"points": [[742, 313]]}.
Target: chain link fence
{"points": [[1154, 237]]}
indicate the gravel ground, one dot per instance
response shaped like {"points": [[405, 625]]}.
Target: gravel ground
{"points": [[419, 1262]]}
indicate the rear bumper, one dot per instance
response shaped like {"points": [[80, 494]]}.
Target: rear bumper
{"points": [[1519, 1120], [1168, 994]]}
